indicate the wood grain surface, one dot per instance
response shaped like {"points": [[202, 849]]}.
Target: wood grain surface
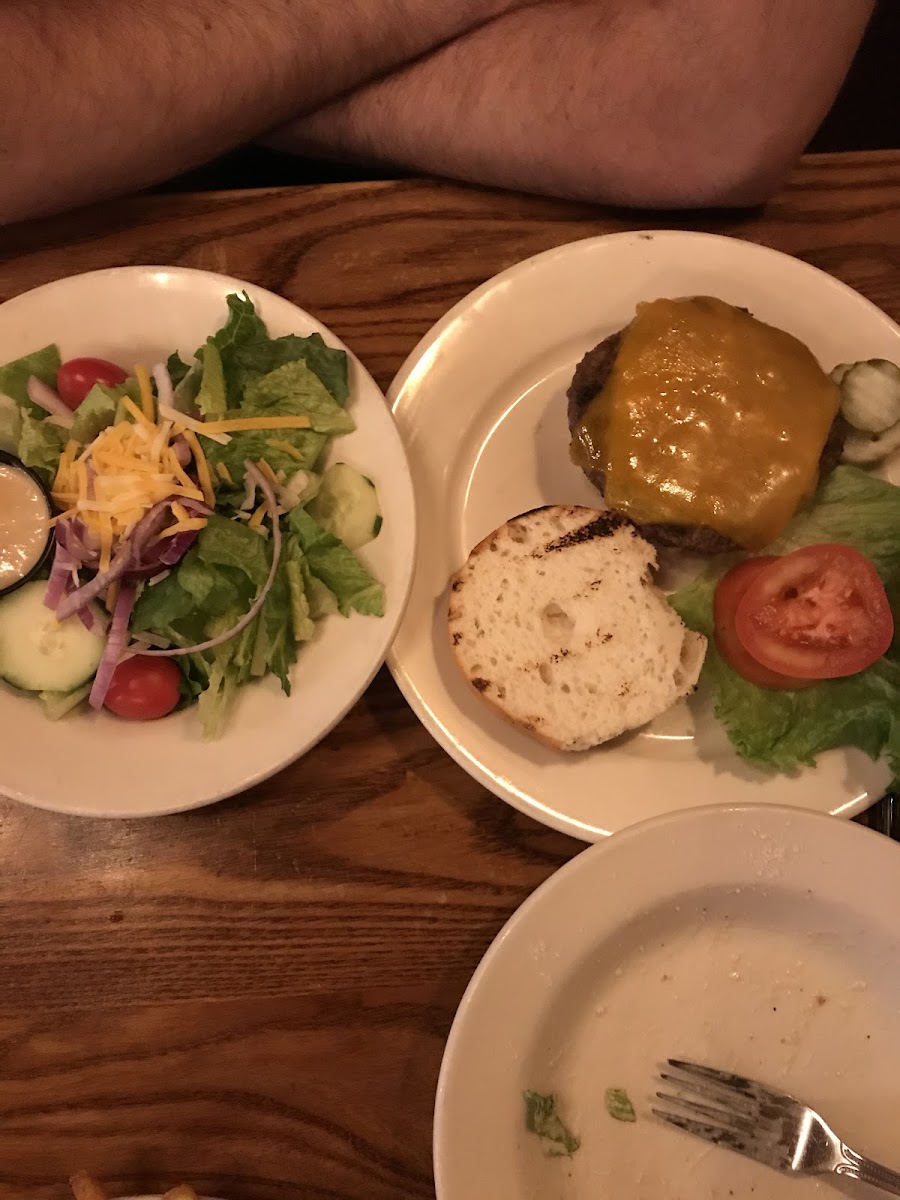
{"points": [[255, 996]]}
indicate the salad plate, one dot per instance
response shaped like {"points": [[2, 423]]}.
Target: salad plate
{"points": [[738, 937], [95, 764], [481, 405]]}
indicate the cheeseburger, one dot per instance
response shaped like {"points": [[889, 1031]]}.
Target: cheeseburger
{"points": [[706, 427]]}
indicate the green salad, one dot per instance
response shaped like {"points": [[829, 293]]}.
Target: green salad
{"points": [[197, 538]]}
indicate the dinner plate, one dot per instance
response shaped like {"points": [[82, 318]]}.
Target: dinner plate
{"points": [[96, 765], [757, 939], [481, 407]]}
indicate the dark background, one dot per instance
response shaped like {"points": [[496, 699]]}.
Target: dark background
{"points": [[865, 116]]}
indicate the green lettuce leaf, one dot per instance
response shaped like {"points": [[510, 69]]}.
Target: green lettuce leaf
{"points": [[96, 412], [856, 509], [14, 376], [306, 447], [10, 424], [783, 731], [303, 624], [337, 567], [290, 390], [275, 647], [213, 586], [177, 368], [247, 352], [225, 543], [40, 445], [211, 396], [216, 580], [293, 390]]}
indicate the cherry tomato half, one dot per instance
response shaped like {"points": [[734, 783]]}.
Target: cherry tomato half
{"points": [[729, 593], [819, 613], [144, 688], [75, 378]]}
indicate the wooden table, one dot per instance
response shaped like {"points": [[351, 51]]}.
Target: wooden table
{"points": [[255, 996]]}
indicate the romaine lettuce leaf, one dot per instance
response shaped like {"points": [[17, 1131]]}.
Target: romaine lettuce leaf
{"points": [[40, 445], [225, 543], [211, 396], [96, 412], [209, 591], [293, 390], [337, 567], [783, 731], [248, 352], [285, 450], [14, 376], [177, 368], [303, 624], [10, 424]]}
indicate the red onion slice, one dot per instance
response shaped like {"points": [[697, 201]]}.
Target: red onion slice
{"points": [[73, 536], [60, 576], [174, 549], [78, 599], [149, 556], [183, 452], [115, 644], [150, 524], [250, 485], [265, 487], [45, 397]]}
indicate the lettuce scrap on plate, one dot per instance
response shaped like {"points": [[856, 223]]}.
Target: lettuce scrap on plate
{"points": [[784, 731]]}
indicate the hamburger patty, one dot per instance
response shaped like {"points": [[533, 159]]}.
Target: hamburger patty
{"points": [[590, 376]]}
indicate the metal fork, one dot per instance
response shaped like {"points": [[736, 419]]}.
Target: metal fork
{"points": [[770, 1127]]}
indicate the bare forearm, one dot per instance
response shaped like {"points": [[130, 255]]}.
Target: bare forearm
{"points": [[100, 96], [624, 101]]}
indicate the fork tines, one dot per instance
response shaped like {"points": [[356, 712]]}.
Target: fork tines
{"points": [[727, 1113]]}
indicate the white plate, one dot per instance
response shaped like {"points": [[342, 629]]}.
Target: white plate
{"points": [[481, 406], [97, 765], [762, 940]]}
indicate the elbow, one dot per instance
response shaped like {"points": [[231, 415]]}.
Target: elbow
{"points": [[743, 174], [740, 171]]}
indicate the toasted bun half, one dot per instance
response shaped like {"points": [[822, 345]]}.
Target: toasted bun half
{"points": [[555, 621]]}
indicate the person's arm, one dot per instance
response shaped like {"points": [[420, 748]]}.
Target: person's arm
{"points": [[103, 96], [658, 103]]}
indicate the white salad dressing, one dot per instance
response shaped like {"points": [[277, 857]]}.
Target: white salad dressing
{"points": [[24, 524]]}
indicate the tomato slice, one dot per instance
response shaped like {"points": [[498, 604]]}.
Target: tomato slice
{"points": [[819, 613], [729, 593], [143, 688], [75, 378]]}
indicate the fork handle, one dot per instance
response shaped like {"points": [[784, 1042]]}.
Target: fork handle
{"points": [[865, 1170]]}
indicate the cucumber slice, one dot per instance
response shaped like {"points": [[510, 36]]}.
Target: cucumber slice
{"points": [[39, 653], [870, 395], [59, 704], [347, 506]]}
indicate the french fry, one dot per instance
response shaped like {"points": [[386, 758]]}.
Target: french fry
{"points": [[86, 1188]]}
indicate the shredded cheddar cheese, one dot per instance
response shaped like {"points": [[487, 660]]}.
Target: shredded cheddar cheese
{"points": [[132, 467], [269, 473], [202, 467], [235, 424], [285, 448], [143, 378]]}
